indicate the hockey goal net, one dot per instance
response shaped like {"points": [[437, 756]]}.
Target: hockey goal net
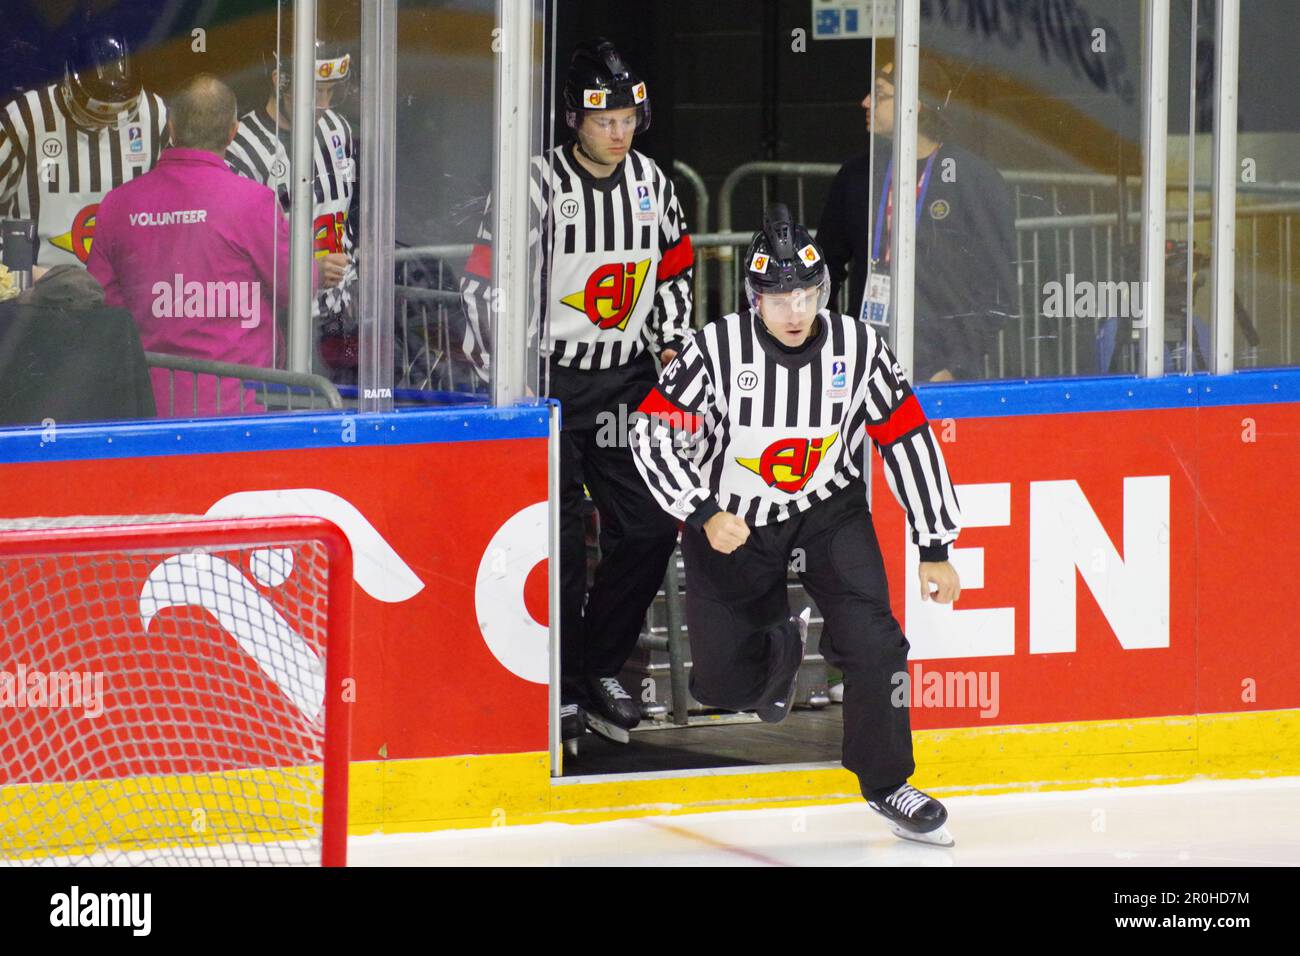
{"points": [[172, 691]]}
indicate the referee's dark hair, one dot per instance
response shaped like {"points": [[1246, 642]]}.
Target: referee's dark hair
{"points": [[203, 115]]}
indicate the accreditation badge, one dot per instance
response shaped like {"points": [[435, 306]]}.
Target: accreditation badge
{"points": [[875, 303]]}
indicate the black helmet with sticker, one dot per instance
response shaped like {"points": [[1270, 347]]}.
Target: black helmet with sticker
{"points": [[599, 79], [100, 83], [783, 257], [333, 65]]}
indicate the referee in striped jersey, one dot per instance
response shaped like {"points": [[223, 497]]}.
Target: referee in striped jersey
{"points": [[614, 273], [64, 146], [755, 438], [260, 152]]}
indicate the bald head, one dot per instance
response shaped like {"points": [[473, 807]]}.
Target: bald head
{"points": [[203, 115]]}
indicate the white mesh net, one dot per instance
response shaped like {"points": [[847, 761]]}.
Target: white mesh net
{"points": [[161, 705]]}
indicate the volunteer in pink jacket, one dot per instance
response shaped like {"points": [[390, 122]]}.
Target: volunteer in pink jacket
{"points": [[199, 255]]}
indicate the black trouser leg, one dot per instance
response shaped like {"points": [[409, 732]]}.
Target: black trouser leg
{"points": [[636, 537], [845, 574], [736, 609], [573, 565]]}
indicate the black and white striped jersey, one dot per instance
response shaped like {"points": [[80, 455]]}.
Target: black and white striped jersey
{"points": [[738, 424], [261, 152], [615, 276], [55, 172]]}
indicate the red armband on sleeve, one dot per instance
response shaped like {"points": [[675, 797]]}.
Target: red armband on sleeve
{"points": [[658, 405], [676, 259], [905, 418]]}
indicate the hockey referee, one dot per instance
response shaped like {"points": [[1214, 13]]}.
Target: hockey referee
{"points": [[64, 146], [754, 437], [260, 152], [617, 295]]}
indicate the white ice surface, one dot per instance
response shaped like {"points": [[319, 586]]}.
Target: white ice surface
{"points": [[1246, 822]]}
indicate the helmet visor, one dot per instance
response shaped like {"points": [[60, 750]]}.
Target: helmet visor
{"points": [[90, 112], [808, 299]]}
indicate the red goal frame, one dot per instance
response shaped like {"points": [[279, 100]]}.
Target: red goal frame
{"points": [[218, 533]]}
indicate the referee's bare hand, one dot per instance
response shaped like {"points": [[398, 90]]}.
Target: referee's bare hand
{"points": [[332, 268], [944, 576], [726, 532]]}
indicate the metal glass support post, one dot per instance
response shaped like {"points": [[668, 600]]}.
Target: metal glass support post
{"points": [[553, 590], [1189, 287], [1224, 196], [902, 248], [1155, 125], [375, 262], [511, 204], [302, 192]]}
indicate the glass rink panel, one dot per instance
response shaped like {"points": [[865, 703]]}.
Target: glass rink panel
{"points": [[150, 176], [1028, 228]]}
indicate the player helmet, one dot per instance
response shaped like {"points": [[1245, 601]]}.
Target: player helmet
{"points": [[100, 84], [598, 79], [783, 257]]}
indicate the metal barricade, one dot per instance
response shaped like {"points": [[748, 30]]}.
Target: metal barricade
{"points": [[699, 221], [429, 318], [276, 388]]}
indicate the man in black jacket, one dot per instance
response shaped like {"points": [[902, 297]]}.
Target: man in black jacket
{"points": [[965, 237], [65, 356]]}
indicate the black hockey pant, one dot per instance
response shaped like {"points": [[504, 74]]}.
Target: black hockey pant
{"points": [[636, 538], [736, 606]]}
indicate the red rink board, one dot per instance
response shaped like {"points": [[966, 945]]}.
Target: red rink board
{"points": [[1232, 508], [426, 682]]}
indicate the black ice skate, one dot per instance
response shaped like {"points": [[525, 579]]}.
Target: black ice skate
{"points": [[779, 709], [573, 721], [914, 815], [610, 701]]}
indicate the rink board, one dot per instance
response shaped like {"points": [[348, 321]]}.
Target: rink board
{"points": [[1148, 485]]}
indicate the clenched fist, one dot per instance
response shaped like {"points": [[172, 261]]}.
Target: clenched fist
{"points": [[726, 532], [944, 576], [333, 267]]}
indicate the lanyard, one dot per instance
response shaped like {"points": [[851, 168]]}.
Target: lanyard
{"points": [[886, 210]]}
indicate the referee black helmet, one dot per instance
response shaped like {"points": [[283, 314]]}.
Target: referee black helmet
{"points": [[599, 79], [782, 258], [101, 85]]}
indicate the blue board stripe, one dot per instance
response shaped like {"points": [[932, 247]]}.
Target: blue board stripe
{"points": [[408, 427], [271, 433], [1113, 394]]}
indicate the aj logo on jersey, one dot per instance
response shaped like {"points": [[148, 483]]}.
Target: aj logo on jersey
{"points": [[134, 143], [788, 464], [77, 240], [611, 293]]}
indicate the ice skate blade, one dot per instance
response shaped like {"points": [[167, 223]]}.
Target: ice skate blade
{"points": [[607, 729], [937, 837]]}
